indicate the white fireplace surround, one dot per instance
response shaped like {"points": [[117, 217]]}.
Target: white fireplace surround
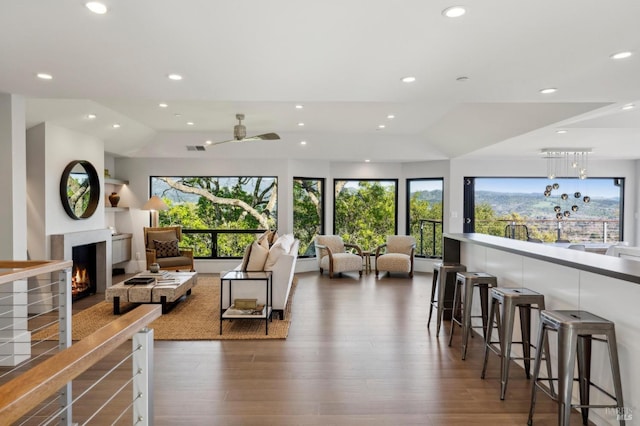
{"points": [[62, 245]]}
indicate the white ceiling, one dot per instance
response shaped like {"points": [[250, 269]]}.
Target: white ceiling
{"points": [[343, 60]]}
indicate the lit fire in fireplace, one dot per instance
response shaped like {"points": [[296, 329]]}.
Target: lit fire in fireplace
{"points": [[80, 282]]}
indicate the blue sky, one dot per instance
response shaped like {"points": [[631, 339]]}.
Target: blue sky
{"points": [[594, 187]]}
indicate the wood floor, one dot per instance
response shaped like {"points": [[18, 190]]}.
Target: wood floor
{"points": [[358, 353]]}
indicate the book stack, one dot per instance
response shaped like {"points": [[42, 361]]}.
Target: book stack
{"points": [[161, 277]]}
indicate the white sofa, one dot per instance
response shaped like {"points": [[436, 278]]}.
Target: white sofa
{"points": [[282, 277]]}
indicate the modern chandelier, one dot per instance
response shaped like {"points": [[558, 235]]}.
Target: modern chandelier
{"points": [[567, 163]]}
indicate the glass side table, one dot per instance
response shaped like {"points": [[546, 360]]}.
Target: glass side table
{"points": [[258, 277]]}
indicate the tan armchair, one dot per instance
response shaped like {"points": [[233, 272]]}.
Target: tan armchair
{"points": [[169, 255], [332, 255], [396, 255]]}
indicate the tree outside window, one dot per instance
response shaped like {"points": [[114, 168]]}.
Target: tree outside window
{"points": [[365, 211], [308, 212], [425, 215]]}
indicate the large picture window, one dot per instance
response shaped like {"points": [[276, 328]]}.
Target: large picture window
{"points": [[424, 215], [365, 211], [308, 212], [571, 209], [219, 215]]}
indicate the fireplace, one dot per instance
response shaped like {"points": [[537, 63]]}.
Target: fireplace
{"points": [[63, 246], [83, 275]]}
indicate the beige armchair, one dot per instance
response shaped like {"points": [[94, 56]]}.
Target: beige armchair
{"points": [[162, 247], [332, 255], [396, 255]]}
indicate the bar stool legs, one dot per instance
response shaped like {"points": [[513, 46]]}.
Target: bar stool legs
{"points": [[575, 333], [512, 298], [469, 281], [441, 274]]}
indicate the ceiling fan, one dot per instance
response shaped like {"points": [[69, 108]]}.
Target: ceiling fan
{"points": [[240, 134]]}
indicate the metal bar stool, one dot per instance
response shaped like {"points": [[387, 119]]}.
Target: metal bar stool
{"points": [[575, 334], [512, 298], [441, 273], [470, 280]]}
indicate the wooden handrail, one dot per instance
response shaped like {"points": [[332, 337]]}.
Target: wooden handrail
{"points": [[22, 269], [23, 393]]}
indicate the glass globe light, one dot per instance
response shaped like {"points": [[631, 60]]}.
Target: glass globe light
{"points": [[564, 196], [556, 185], [586, 199], [567, 213], [577, 195], [574, 208], [557, 209]]}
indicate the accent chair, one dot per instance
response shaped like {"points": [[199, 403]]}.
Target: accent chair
{"points": [[396, 255], [332, 255], [162, 247]]}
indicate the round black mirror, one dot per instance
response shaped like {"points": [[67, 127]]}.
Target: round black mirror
{"points": [[80, 189]]}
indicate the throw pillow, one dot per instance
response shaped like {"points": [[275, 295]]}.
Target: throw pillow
{"points": [[245, 257], [167, 248], [281, 246], [257, 257], [152, 236]]}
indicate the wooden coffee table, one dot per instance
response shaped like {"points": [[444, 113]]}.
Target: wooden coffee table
{"points": [[163, 293]]}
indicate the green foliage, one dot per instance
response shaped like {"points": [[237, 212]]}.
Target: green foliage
{"points": [[307, 213], [365, 215]]}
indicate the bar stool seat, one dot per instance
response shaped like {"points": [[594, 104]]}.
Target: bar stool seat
{"points": [[441, 273], [470, 280], [575, 330], [510, 299]]}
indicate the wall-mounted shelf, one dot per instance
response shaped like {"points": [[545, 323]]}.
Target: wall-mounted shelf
{"points": [[115, 209], [114, 181]]}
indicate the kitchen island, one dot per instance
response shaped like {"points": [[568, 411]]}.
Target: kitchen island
{"points": [[606, 286]]}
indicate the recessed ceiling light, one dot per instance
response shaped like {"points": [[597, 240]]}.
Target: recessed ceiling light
{"points": [[177, 114], [300, 124], [96, 7], [190, 123], [561, 132], [163, 105], [208, 142], [44, 76], [175, 77], [409, 79], [391, 116], [367, 161], [621, 55], [303, 142], [548, 90], [116, 126], [454, 11], [91, 116], [462, 79], [381, 126], [299, 106], [628, 107]]}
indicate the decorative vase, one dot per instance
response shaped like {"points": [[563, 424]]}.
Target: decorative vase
{"points": [[114, 199], [154, 267]]}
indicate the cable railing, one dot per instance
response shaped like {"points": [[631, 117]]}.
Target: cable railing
{"points": [[430, 238], [39, 362]]}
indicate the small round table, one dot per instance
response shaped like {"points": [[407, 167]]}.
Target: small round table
{"points": [[366, 254]]}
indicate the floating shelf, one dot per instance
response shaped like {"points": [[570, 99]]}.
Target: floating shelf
{"points": [[115, 209], [114, 181]]}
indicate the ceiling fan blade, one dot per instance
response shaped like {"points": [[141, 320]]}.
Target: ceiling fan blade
{"points": [[267, 137]]}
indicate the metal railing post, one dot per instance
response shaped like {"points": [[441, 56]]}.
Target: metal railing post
{"points": [[604, 226], [64, 340], [143, 377]]}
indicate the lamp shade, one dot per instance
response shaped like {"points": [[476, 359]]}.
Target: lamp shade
{"points": [[155, 203]]}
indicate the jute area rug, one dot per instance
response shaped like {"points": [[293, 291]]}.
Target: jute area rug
{"points": [[195, 317]]}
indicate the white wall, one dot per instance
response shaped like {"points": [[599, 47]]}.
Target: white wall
{"points": [[13, 224], [50, 149]]}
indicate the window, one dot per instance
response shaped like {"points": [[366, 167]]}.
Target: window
{"points": [[308, 212], [589, 210], [219, 215], [424, 215], [365, 211]]}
